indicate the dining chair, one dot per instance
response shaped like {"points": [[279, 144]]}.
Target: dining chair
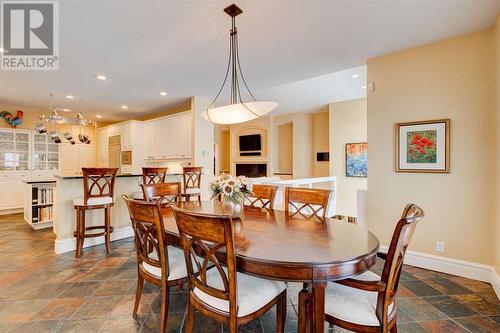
{"points": [[221, 293], [151, 176], [157, 262], [307, 202], [164, 193], [262, 196], [192, 181], [98, 193], [154, 175], [368, 302]]}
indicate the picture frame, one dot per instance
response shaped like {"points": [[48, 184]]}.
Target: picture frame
{"points": [[423, 146], [356, 160]]}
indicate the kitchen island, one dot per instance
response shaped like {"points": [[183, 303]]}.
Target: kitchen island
{"points": [[71, 187]]}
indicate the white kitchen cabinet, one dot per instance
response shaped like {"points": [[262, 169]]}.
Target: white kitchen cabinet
{"points": [[12, 194], [168, 137], [126, 135], [76, 157], [102, 147]]}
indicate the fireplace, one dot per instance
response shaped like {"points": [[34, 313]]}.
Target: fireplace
{"points": [[251, 170]]}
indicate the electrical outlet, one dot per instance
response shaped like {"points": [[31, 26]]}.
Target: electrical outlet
{"points": [[440, 246]]}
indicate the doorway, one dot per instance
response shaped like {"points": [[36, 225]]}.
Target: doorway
{"points": [[285, 149], [114, 151]]}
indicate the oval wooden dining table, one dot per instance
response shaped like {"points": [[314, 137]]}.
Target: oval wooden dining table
{"points": [[275, 246]]}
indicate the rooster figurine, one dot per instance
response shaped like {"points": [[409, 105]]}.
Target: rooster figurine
{"points": [[13, 121]]}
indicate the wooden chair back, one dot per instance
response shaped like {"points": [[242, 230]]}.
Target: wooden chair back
{"points": [[149, 231], [307, 202], [164, 193], [153, 175], [196, 230], [192, 177], [391, 273], [262, 196], [98, 182]]}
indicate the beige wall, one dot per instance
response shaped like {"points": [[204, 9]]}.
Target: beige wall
{"points": [[321, 143], [497, 141], [285, 152], [448, 79], [347, 124]]}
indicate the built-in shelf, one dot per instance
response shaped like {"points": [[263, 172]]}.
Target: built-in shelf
{"points": [[39, 204]]}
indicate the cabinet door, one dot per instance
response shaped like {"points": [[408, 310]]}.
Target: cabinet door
{"points": [[12, 194], [176, 137], [126, 136], [149, 140], [188, 135], [102, 157], [69, 159], [86, 156]]}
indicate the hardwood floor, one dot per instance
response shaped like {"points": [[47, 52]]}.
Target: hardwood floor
{"points": [[44, 292]]}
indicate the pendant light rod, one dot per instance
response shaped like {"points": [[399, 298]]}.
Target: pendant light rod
{"points": [[234, 65]]}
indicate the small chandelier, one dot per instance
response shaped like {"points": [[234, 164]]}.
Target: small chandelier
{"points": [[238, 111], [54, 118]]}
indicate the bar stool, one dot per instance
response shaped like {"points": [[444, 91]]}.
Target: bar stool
{"points": [[98, 193], [192, 181], [150, 176]]}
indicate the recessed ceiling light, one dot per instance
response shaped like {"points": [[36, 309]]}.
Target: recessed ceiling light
{"points": [[355, 76], [163, 93], [70, 96], [363, 87], [98, 116], [101, 77], [124, 107]]}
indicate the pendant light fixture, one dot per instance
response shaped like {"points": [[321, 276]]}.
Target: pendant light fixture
{"points": [[238, 111]]}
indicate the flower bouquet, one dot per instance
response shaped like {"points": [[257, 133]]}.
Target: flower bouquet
{"points": [[230, 188]]}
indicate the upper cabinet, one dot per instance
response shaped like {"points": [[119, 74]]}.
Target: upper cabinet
{"points": [[168, 137]]}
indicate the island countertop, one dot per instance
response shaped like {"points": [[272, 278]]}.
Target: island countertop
{"points": [[118, 176]]}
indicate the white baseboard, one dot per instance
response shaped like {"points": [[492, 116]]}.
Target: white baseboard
{"points": [[69, 244], [467, 269]]}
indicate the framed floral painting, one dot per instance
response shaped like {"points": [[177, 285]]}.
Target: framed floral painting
{"points": [[356, 159], [423, 146]]}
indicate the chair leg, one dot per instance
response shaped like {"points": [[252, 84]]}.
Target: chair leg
{"points": [[107, 225], [281, 313], [164, 308], [80, 231], [138, 293], [199, 198], [233, 324], [394, 328], [189, 317], [303, 309]]}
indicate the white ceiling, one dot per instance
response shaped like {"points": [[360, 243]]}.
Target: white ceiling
{"points": [[145, 46]]}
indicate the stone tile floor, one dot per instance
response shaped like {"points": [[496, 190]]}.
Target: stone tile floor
{"points": [[44, 292]]}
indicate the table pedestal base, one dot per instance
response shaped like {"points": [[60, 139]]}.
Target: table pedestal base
{"points": [[312, 307]]}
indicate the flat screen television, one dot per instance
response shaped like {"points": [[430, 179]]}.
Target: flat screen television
{"points": [[250, 142]]}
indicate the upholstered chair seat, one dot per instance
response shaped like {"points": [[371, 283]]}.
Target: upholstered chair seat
{"points": [[354, 305], [93, 201], [192, 190], [253, 293], [177, 265], [138, 195]]}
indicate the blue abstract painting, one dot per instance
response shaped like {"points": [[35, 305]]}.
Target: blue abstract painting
{"points": [[356, 159]]}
